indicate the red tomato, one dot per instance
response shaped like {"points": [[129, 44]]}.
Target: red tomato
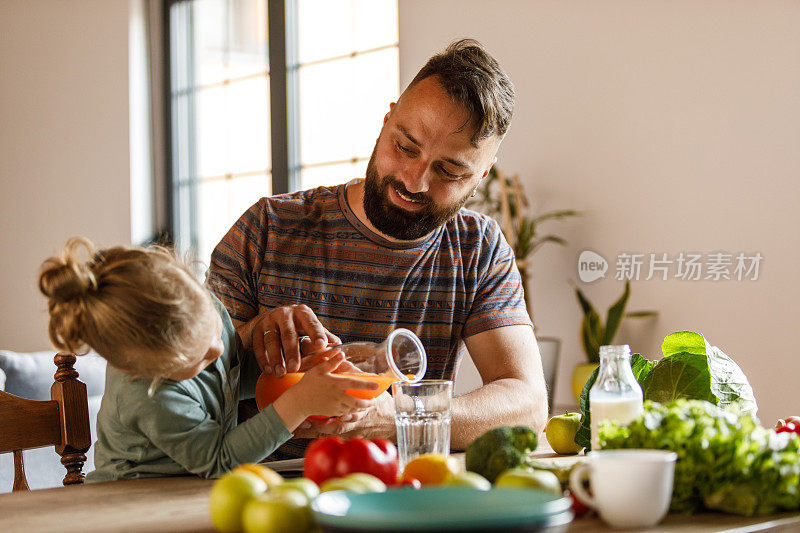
{"points": [[331, 457], [789, 427], [320, 459], [578, 507]]}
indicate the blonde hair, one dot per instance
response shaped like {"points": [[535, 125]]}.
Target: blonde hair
{"points": [[123, 299]]}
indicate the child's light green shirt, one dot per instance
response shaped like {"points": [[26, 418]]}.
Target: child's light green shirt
{"points": [[186, 427]]}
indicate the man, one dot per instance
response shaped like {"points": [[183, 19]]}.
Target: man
{"points": [[398, 250]]}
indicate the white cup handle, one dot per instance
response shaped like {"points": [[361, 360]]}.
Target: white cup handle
{"points": [[576, 484]]}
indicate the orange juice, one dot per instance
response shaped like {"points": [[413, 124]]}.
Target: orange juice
{"points": [[269, 388]]}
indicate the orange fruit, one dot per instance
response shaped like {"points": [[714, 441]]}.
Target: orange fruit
{"points": [[432, 468], [270, 477]]}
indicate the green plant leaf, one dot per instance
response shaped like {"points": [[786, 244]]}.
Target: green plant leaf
{"points": [[538, 243], [683, 342], [584, 435], [553, 215], [641, 314], [692, 368], [585, 303], [591, 332], [615, 315], [681, 375], [728, 382]]}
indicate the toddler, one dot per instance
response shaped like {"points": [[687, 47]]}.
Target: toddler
{"points": [[176, 367]]}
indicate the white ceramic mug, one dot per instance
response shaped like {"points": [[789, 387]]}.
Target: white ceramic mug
{"points": [[631, 488]]}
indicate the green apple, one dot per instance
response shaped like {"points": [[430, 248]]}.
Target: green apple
{"points": [[228, 497], [520, 478], [305, 485], [468, 479], [560, 432], [276, 512], [372, 483], [342, 483], [356, 482]]}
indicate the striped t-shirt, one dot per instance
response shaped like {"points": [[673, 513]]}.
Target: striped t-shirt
{"points": [[309, 248]]}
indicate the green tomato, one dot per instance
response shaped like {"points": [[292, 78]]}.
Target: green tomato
{"points": [[228, 497], [520, 478], [308, 487], [468, 479], [372, 483], [276, 513], [343, 483]]}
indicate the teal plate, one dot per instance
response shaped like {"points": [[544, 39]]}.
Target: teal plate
{"points": [[441, 509]]}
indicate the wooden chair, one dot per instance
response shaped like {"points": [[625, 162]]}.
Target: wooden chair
{"points": [[62, 421]]}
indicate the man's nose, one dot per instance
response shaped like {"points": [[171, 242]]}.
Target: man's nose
{"points": [[416, 176]]}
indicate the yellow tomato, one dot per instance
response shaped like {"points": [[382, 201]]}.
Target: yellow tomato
{"points": [[431, 468]]}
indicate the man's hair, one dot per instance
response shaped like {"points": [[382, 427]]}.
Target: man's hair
{"points": [[475, 80]]}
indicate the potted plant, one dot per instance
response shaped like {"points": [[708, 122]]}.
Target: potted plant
{"points": [[595, 334], [504, 199]]}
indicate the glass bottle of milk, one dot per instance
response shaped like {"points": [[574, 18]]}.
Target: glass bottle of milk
{"points": [[615, 395]]}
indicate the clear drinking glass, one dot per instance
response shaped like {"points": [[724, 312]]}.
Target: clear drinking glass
{"points": [[422, 417], [401, 357]]}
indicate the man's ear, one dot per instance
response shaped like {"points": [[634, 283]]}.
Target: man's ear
{"points": [[486, 172], [387, 115]]}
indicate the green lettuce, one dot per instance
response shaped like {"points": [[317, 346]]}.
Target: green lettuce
{"points": [[726, 461], [692, 369]]}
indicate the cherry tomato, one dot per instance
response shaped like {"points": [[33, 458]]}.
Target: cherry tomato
{"points": [[411, 482], [578, 507]]}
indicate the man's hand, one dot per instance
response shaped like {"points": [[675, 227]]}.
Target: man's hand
{"points": [[375, 422], [276, 337]]}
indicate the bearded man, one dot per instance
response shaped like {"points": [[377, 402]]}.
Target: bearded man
{"points": [[398, 249]]}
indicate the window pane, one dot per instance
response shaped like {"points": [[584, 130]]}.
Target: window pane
{"points": [[332, 28], [342, 104], [324, 29], [331, 174], [246, 191], [212, 132], [374, 23], [325, 102], [247, 38], [181, 148], [209, 40], [213, 220], [248, 128], [233, 128], [375, 85], [221, 203], [230, 39]]}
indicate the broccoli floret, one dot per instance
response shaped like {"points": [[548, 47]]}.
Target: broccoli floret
{"points": [[499, 449]]}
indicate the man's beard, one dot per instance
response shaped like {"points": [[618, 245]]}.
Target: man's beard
{"points": [[396, 222]]}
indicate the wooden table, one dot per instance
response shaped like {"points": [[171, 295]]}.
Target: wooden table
{"points": [[181, 504]]}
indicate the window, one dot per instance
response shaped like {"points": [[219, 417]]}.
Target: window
{"points": [[245, 124]]}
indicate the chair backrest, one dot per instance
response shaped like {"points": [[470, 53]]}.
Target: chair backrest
{"points": [[62, 421]]}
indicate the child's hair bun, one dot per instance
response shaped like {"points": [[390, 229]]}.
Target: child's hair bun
{"points": [[68, 277]]}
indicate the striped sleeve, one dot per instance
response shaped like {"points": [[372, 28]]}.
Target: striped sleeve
{"points": [[236, 263], [500, 297]]}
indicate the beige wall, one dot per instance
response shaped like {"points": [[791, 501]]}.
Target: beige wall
{"points": [[674, 126], [64, 145]]}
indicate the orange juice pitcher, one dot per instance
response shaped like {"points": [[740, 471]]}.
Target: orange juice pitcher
{"points": [[401, 357]]}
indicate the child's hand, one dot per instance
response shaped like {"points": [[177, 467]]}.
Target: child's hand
{"points": [[321, 392]]}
